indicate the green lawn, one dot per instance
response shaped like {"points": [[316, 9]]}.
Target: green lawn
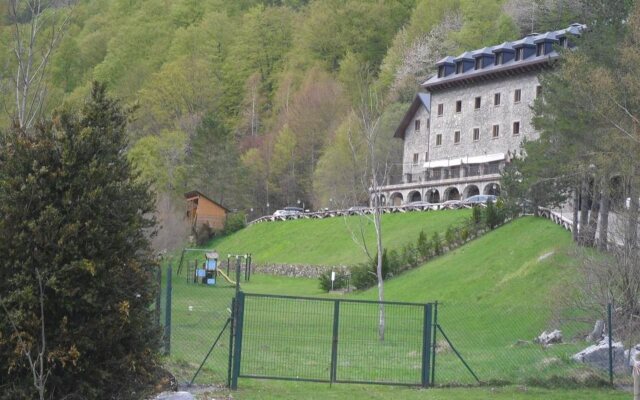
{"points": [[492, 292], [329, 241]]}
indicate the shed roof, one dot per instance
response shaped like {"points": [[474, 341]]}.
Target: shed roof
{"points": [[196, 193]]}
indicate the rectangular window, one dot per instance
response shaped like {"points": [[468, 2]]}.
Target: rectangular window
{"points": [[517, 96], [426, 156], [478, 62], [428, 123], [540, 49], [415, 158], [440, 72], [498, 58], [516, 128], [496, 99], [476, 134], [478, 102], [496, 131], [519, 53], [538, 91], [440, 109], [459, 106], [456, 137], [439, 139], [459, 67], [416, 125]]}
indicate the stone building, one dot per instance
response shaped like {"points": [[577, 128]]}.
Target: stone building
{"points": [[471, 121]]}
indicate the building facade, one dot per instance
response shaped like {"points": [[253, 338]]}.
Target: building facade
{"points": [[472, 120]]}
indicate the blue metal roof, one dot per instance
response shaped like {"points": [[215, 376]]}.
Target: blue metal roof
{"points": [[529, 62]]}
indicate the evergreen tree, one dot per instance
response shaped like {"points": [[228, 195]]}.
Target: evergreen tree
{"points": [[74, 213]]}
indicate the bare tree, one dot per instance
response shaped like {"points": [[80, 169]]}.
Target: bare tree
{"points": [[36, 360], [37, 28]]}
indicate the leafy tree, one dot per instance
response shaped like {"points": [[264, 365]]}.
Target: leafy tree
{"points": [[75, 214]]}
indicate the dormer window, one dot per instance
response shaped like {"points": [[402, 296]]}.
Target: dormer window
{"points": [[440, 71], [478, 62], [459, 67], [563, 42], [520, 54], [499, 57], [540, 49]]}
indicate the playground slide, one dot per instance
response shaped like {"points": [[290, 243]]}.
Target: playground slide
{"points": [[226, 277]]}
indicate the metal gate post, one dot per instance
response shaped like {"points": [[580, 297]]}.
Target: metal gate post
{"points": [[426, 345], [231, 335], [433, 349], [610, 344], [334, 341], [237, 350]]}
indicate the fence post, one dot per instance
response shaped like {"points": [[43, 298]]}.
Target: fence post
{"points": [[609, 318], [426, 345], [433, 350], [334, 342], [167, 314], [237, 350]]}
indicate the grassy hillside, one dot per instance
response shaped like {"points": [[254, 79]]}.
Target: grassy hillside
{"points": [[329, 241]]}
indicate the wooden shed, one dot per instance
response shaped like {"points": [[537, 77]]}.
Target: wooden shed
{"points": [[201, 210]]}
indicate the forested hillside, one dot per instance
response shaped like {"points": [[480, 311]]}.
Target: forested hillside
{"points": [[259, 103]]}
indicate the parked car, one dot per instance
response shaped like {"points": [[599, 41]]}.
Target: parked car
{"points": [[480, 199], [358, 209], [451, 204], [288, 211], [422, 205]]}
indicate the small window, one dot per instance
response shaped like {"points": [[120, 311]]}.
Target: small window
{"points": [[439, 139], [479, 63], [476, 134], [498, 58], [517, 96], [416, 125], [440, 72], [459, 67], [540, 49], [516, 128], [563, 42], [415, 158], [456, 137], [440, 109], [478, 102], [459, 106], [496, 99], [519, 53], [426, 156], [496, 131], [538, 91], [428, 123]]}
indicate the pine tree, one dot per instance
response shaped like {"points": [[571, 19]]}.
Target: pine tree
{"points": [[73, 211]]}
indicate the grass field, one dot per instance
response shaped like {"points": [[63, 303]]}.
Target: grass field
{"points": [[493, 292], [328, 241]]}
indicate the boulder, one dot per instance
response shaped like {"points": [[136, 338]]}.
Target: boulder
{"points": [[597, 355], [549, 338], [633, 355], [597, 333]]}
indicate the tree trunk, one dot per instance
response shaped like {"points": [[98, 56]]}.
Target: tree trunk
{"points": [[593, 216], [576, 205], [605, 200], [584, 212], [631, 235]]}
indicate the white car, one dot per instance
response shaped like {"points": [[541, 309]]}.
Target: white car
{"points": [[288, 211]]}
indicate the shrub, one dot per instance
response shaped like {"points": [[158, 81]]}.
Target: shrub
{"points": [[409, 256], [491, 217], [394, 262], [436, 244], [424, 246], [362, 276], [450, 237], [203, 233], [476, 215], [234, 222], [464, 234]]}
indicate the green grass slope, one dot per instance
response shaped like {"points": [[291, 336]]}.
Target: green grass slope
{"points": [[329, 241]]}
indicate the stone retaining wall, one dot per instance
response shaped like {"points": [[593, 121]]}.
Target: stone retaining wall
{"points": [[295, 270]]}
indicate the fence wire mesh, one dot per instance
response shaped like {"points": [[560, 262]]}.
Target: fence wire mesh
{"points": [[503, 347], [198, 315]]}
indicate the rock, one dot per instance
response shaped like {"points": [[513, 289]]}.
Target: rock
{"points": [[549, 338], [597, 355], [597, 333], [175, 396], [634, 357]]}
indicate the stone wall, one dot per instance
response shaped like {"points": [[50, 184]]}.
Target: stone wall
{"points": [[296, 270]]}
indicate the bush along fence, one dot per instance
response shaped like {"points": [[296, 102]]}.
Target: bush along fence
{"points": [[394, 262]]}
